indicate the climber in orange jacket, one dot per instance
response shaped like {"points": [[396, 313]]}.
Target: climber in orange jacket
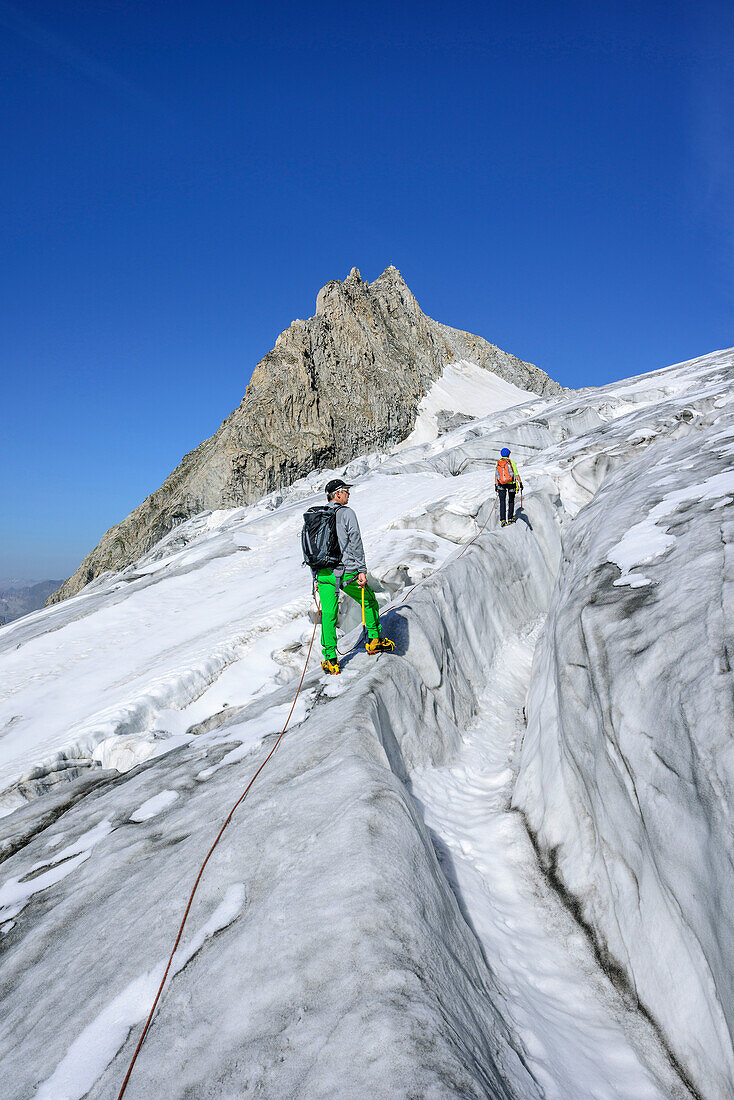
{"points": [[507, 481]]}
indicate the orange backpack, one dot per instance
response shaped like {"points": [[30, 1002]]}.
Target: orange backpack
{"points": [[505, 472]]}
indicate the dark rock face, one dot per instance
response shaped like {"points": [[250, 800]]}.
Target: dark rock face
{"points": [[346, 382], [446, 421]]}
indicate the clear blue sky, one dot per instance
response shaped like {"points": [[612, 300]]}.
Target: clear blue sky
{"points": [[180, 178]]}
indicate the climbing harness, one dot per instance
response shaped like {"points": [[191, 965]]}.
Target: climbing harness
{"points": [[206, 860], [246, 791]]}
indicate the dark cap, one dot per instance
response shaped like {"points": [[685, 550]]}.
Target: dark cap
{"points": [[335, 485]]}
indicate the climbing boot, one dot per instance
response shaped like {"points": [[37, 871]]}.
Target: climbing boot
{"points": [[376, 645], [503, 523], [331, 666]]}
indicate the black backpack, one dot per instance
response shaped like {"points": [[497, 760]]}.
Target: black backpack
{"points": [[319, 538]]}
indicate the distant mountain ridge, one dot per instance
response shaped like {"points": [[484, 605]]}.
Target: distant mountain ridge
{"points": [[345, 382], [18, 598]]}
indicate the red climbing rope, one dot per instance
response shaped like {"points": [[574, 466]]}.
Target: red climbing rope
{"points": [[469, 543], [201, 869], [244, 795]]}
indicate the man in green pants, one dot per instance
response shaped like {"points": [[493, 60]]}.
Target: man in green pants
{"points": [[349, 576]]}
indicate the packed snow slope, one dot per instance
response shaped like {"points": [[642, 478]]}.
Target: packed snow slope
{"points": [[375, 921]]}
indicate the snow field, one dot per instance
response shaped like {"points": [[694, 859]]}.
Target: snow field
{"points": [[15, 893], [357, 964], [627, 778], [579, 1037], [154, 806], [464, 388], [97, 1045], [148, 657]]}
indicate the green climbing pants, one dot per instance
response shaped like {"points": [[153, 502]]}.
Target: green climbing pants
{"points": [[329, 596]]}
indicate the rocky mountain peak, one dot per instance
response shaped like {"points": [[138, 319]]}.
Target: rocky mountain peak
{"points": [[345, 382], [354, 288]]}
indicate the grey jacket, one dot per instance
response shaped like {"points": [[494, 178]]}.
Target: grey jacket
{"points": [[350, 540]]}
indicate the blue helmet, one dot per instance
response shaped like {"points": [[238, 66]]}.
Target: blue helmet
{"points": [[505, 452]]}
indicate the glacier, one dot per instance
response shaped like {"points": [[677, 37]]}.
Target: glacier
{"points": [[495, 864]]}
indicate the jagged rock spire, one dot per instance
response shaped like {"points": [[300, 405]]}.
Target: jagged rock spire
{"points": [[345, 382]]}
